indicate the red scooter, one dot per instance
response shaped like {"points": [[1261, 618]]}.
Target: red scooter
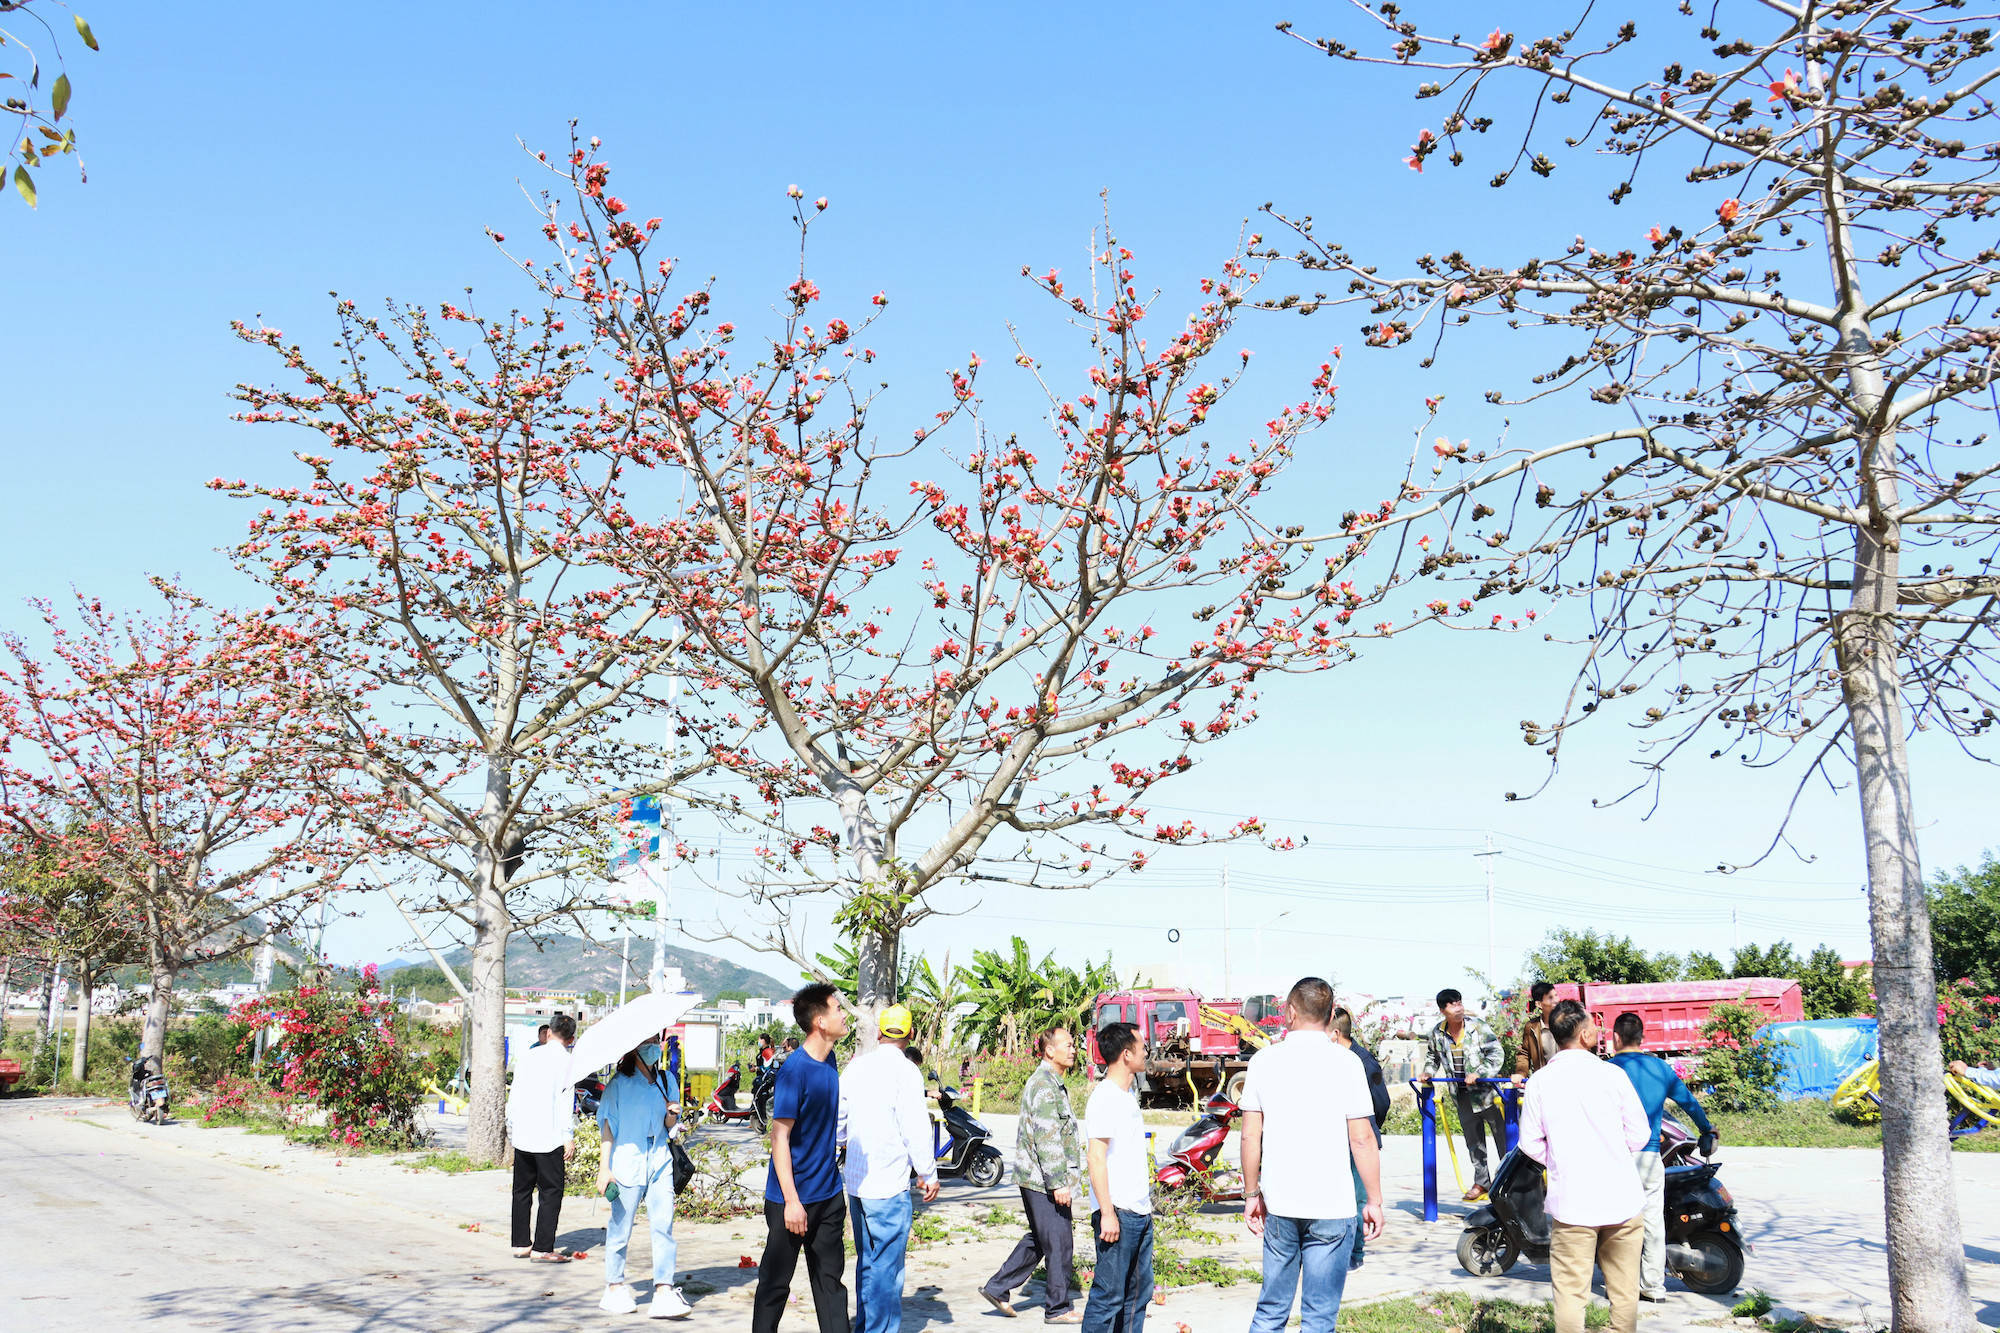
{"points": [[1195, 1158], [721, 1105]]}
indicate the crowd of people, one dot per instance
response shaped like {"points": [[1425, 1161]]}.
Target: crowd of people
{"points": [[848, 1144]]}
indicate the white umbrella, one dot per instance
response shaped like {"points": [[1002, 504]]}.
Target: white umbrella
{"points": [[625, 1027]]}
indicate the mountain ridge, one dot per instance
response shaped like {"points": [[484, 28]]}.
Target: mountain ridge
{"points": [[564, 962]]}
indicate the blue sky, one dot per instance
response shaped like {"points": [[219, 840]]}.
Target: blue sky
{"points": [[245, 160]]}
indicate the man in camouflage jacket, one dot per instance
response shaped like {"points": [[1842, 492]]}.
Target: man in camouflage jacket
{"points": [[1465, 1050], [1049, 1168]]}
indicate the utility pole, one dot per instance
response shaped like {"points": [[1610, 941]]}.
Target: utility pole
{"points": [[1492, 965], [266, 959], [1735, 937], [624, 963], [57, 991], [656, 980], [1226, 990]]}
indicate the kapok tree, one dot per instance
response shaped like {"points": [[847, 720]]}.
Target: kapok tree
{"points": [[170, 757], [1782, 531], [491, 678], [1091, 609]]}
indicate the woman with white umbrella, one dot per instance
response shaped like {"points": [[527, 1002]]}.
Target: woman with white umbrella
{"points": [[636, 1115]]}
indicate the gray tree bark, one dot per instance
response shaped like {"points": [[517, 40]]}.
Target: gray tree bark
{"points": [[79, 1062], [1927, 1282]]}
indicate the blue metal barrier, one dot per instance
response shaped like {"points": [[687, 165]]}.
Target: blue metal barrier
{"points": [[1427, 1110]]}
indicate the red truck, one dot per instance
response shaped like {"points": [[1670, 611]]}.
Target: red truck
{"points": [[1194, 1046], [1674, 1011]]}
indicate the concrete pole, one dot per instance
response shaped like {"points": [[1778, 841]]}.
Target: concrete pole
{"points": [[1226, 989], [624, 963], [656, 980]]}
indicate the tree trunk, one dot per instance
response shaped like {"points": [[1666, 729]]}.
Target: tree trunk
{"points": [[79, 1064], [1927, 1283], [875, 947], [153, 1042], [486, 1019]]}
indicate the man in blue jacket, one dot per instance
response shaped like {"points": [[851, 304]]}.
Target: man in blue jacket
{"points": [[1656, 1083]]}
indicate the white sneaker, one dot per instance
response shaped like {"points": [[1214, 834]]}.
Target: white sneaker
{"points": [[618, 1300], [668, 1303]]}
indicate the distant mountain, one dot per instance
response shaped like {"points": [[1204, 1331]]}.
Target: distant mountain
{"points": [[563, 962]]}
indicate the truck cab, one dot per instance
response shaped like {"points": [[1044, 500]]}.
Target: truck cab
{"points": [[1187, 1057]]}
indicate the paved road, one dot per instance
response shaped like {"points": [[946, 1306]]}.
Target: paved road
{"points": [[113, 1225], [110, 1230]]}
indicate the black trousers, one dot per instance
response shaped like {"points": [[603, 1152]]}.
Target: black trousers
{"points": [[825, 1244], [538, 1172], [1050, 1239], [1476, 1126]]}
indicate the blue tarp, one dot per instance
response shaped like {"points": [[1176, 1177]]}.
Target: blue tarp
{"points": [[1819, 1054]]}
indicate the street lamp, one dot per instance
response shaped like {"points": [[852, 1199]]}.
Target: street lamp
{"points": [[1260, 942]]}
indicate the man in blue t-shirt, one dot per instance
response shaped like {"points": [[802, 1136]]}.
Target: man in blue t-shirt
{"points": [[803, 1206], [1656, 1083]]}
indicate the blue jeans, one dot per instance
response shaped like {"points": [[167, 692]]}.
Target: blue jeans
{"points": [[1122, 1287], [881, 1242], [1320, 1248], [658, 1196]]}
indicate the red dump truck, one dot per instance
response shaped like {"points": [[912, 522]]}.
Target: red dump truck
{"points": [[1193, 1045], [1674, 1011]]}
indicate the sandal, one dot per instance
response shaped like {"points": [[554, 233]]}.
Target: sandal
{"points": [[523, 1252], [552, 1257]]}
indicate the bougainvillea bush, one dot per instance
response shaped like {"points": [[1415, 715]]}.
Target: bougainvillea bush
{"points": [[1738, 1069], [344, 1063], [1969, 1024]]}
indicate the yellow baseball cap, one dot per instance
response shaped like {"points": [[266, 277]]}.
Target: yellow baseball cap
{"points": [[896, 1021]]}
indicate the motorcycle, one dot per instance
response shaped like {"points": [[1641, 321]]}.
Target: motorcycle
{"points": [[966, 1149], [1705, 1246], [1194, 1158], [721, 1104], [147, 1097], [589, 1094]]}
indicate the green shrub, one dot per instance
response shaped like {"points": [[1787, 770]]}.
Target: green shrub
{"points": [[349, 1055], [1738, 1068], [1969, 1024]]}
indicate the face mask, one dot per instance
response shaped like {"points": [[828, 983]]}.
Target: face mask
{"points": [[650, 1053]]}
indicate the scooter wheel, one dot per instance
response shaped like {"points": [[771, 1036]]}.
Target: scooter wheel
{"points": [[1486, 1251], [985, 1170], [1721, 1268]]}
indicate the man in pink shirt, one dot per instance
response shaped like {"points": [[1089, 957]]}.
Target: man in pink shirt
{"points": [[1583, 1121]]}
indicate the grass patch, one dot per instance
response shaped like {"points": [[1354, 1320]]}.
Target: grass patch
{"points": [[999, 1216], [1754, 1306], [1456, 1312], [927, 1228], [451, 1163], [1171, 1268]]}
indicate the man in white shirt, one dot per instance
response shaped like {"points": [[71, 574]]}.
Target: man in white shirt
{"points": [[1121, 1187], [1298, 1184], [541, 1120], [1583, 1121], [887, 1130]]}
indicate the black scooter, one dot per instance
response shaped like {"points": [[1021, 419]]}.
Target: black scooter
{"points": [[147, 1097], [1705, 1246], [967, 1149]]}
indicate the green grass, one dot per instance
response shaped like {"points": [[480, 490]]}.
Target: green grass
{"points": [[452, 1163], [1456, 1312], [927, 1228], [1171, 1268], [1754, 1306]]}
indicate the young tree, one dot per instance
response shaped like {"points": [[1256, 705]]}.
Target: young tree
{"points": [[37, 129], [74, 915], [1009, 726], [494, 681], [172, 759], [1783, 527]]}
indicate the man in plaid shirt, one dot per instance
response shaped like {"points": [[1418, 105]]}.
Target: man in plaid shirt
{"points": [[1048, 1166]]}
